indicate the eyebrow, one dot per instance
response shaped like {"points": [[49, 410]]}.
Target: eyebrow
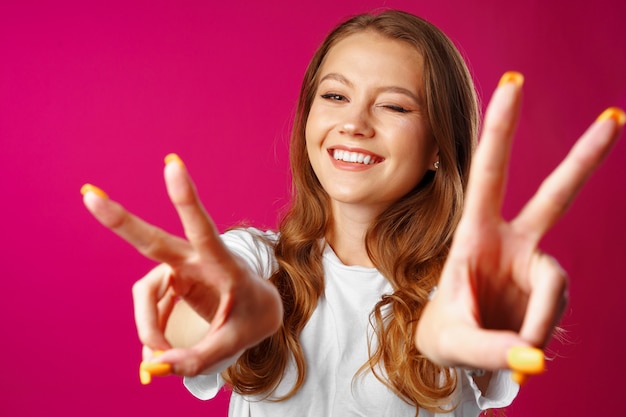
{"points": [[390, 89]]}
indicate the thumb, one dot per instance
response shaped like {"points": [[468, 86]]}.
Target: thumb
{"points": [[483, 349], [494, 350]]}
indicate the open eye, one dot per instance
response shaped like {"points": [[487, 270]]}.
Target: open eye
{"points": [[333, 97]]}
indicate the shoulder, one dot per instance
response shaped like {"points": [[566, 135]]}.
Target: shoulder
{"points": [[255, 246]]}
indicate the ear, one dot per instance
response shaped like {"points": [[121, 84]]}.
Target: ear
{"points": [[434, 160]]}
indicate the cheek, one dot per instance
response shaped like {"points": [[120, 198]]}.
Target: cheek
{"points": [[314, 132], [308, 141], [416, 141], [312, 123], [419, 152], [311, 142]]}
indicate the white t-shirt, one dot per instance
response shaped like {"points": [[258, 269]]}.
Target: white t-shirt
{"points": [[335, 345]]}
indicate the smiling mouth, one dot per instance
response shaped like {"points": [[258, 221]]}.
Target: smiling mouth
{"points": [[354, 157]]}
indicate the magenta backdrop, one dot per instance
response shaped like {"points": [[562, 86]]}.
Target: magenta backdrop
{"points": [[101, 92]]}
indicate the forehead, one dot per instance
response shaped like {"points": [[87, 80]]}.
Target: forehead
{"points": [[371, 57]]}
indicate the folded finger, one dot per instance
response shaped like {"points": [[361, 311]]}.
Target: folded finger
{"points": [[213, 353], [482, 349], [147, 293], [149, 240], [165, 306], [558, 191], [489, 168], [547, 300]]}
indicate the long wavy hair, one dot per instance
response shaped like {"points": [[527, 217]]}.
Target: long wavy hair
{"points": [[408, 242]]}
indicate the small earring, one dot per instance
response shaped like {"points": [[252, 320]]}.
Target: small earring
{"points": [[436, 164]]}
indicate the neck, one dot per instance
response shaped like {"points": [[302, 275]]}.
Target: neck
{"points": [[347, 233]]}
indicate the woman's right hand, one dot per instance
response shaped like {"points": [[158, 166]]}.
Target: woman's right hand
{"points": [[241, 307]]}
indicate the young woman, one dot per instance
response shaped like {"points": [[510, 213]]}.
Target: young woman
{"points": [[362, 303]]}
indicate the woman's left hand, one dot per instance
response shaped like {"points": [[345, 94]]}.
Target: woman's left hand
{"points": [[498, 290]]}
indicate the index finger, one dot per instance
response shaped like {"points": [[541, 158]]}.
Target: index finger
{"points": [[488, 174], [149, 240]]}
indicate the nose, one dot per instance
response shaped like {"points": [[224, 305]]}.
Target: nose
{"points": [[357, 122]]}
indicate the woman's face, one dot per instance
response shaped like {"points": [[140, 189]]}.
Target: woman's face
{"points": [[367, 134]]}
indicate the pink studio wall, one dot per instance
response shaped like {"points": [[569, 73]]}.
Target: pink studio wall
{"points": [[100, 92]]}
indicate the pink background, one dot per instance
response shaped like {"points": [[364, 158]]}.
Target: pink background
{"points": [[101, 92]]}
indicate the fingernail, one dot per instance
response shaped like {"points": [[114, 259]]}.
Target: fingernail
{"points": [[512, 77], [526, 360], [172, 157], [149, 369], [519, 377], [97, 191], [614, 113], [145, 377]]}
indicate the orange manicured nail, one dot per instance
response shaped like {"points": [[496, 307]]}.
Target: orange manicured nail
{"points": [[511, 77], [527, 360], [172, 157], [97, 191], [614, 113], [149, 369], [519, 377], [145, 377]]}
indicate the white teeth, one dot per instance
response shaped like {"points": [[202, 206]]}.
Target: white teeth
{"points": [[353, 157]]}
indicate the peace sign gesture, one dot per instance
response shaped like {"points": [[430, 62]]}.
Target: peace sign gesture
{"points": [[499, 297], [241, 307]]}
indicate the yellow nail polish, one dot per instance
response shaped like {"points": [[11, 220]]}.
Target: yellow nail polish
{"points": [[172, 157], [614, 113], [145, 377], [526, 360], [97, 191], [512, 77], [156, 368], [519, 377], [149, 369]]}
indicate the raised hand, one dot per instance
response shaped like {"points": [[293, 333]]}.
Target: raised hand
{"points": [[241, 307], [500, 297]]}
